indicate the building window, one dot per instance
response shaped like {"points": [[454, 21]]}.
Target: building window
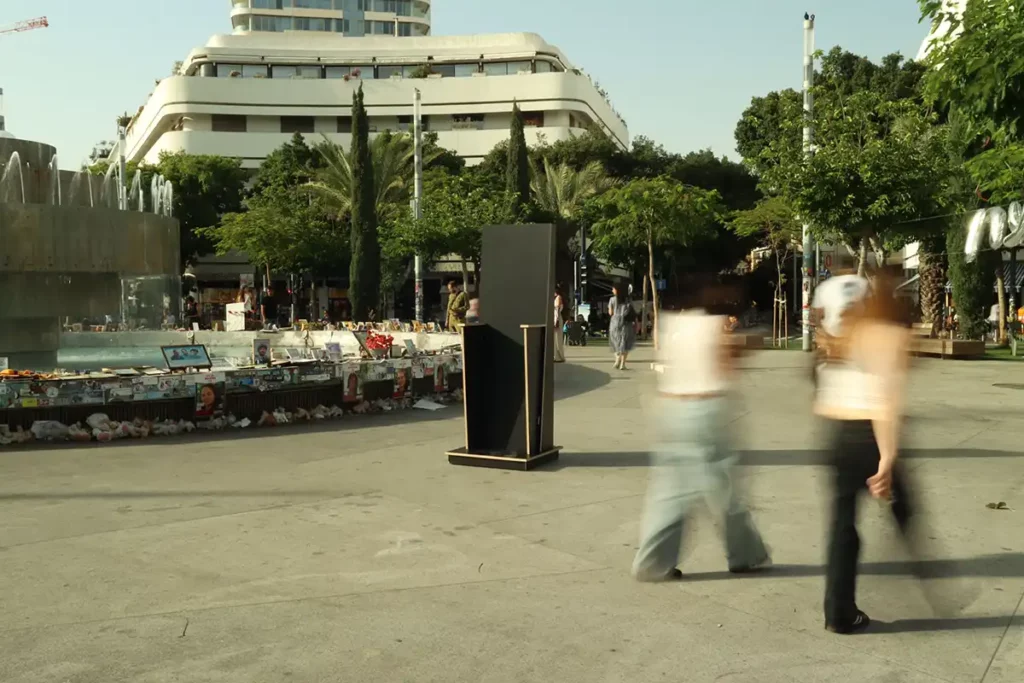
{"points": [[341, 26], [388, 71], [496, 68], [310, 24], [229, 123], [229, 71], [533, 119], [402, 8], [446, 70], [271, 24], [404, 29], [268, 4], [310, 72], [520, 67], [254, 71], [344, 124], [405, 124], [312, 4], [361, 72], [466, 69], [296, 124], [542, 67], [467, 121]]}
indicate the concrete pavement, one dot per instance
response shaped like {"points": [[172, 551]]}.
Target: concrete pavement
{"points": [[354, 552]]}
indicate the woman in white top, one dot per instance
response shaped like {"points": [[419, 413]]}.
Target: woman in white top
{"points": [[691, 456], [860, 394]]}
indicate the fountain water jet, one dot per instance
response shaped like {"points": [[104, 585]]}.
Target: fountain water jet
{"points": [[13, 164]]}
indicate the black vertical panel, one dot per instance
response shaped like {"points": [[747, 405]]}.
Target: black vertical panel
{"points": [[517, 288], [536, 366]]}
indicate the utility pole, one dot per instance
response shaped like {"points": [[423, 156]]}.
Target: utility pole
{"points": [[417, 136], [808, 242], [122, 167]]}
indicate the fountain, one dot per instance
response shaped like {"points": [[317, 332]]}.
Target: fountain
{"points": [[76, 185], [55, 187], [68, 253], [135, 196], [13, 165]]}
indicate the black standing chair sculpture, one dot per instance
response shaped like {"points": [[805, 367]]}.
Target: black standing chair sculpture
{"points": [[508, 370]]}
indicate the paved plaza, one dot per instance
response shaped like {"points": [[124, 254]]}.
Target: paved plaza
{"points": [[354, 552]]}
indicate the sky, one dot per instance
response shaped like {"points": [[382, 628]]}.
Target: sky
{"points": [[679, 71]]}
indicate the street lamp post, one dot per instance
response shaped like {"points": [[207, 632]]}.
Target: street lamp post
{"points": [[808, 241], [417, 135]]}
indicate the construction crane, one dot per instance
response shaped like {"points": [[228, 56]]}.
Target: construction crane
{"points": [[29, 25]]}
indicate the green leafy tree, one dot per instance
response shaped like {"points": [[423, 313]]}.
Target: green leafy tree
{"points": [[283, 229], [652, 214], [977, 71], [517, 173], [773, 223], [455, 211], [206, 187], [877, 170], [364, 271]]}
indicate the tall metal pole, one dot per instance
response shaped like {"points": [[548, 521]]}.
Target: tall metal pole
{"points": [[808, 242], [417, 135]]}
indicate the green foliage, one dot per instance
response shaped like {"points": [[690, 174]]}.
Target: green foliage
{"points": [[517, 173], [455, 210], [561, 191], [979, 75], [392, 159], [971, 282], [773, 224], [649, 213], [364, 271], [283, 229], [422, 71], [879, 168], [206, 187]]}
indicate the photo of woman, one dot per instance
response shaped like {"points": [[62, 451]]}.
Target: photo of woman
{"points": [[208, 401], [352, 387]]}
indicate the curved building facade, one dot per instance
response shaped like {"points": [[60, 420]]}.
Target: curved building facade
{"points": [[245, 95], [403, 18]]}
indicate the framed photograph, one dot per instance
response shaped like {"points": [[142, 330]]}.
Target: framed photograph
{"points": [[181, 357], [333, 350], [261, 352]]}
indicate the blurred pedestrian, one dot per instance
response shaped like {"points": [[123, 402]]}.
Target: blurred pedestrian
{"points": [[860, 395], [692, 458], [473, 312]]}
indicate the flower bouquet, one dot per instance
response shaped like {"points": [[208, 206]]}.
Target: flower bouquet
{"points": [[379, 344]]}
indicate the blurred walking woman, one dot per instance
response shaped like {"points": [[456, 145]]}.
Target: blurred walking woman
{"points": [[860, 395], [691, 457], [622, 326]]}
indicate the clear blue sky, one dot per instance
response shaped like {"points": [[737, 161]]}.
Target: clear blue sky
{"points": [[679, 71]]}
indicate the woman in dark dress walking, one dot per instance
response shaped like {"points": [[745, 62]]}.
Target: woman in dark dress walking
{"points": [[622, 328]]}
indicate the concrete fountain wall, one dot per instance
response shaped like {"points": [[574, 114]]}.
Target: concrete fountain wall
{"points": [[60, 261]]}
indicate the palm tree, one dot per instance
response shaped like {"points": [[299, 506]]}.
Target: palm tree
{"points": [[562, 190], [392, 157]]}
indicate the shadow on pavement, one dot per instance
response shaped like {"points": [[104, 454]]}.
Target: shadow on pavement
{"points": [[938, 624], [776, 458], [1006, 565], [118, 495]]}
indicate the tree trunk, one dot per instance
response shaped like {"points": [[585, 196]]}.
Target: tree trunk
{"points": [[931, 285], [1001, 295], [643, 311], [862, 257], [778, 311], [465, 273], [654, 290]]}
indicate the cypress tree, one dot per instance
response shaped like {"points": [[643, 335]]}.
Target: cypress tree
{"points": [[364, 271], [517, 173]]}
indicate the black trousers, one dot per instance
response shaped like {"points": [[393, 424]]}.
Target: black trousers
{"points": [[854, 459]]}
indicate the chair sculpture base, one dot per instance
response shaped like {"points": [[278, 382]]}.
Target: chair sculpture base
{"points": [[461, 456]]}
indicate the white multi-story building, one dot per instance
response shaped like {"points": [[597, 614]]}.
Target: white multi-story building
{"points": [[344, 17], [244, 95]]}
